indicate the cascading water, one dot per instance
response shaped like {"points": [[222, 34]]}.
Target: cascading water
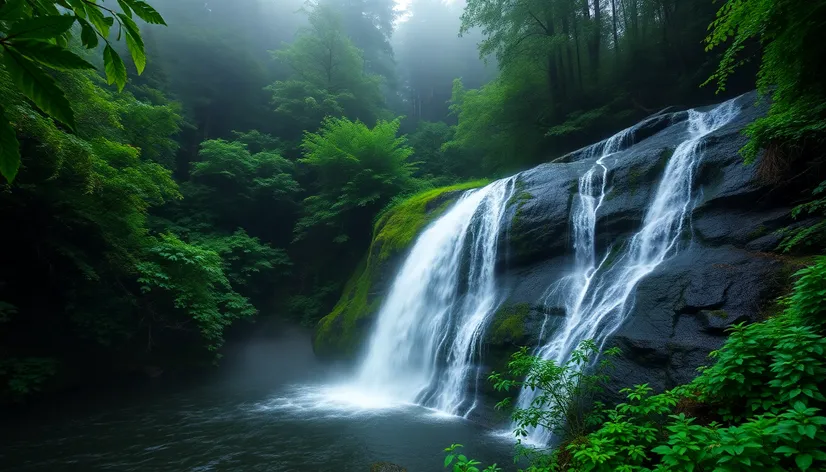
{"points": [[595, 296], [429, 328]]}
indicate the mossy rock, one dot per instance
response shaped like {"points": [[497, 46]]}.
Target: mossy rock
{"points": [[341, 333], [508, 324]]}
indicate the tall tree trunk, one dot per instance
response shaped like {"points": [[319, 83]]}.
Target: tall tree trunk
{"points": [[553, 79], [569, 61], [578, 55], [614, 24], [596, 37]]}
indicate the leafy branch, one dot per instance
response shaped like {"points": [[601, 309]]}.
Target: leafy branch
{"points": [[34, 38]]}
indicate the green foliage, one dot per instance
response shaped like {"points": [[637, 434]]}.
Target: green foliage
{"points": [[791, 69], [228, 168], [566, 389], [807, 302], [811, 236], [433, 158], [188, 283], [460, 463], [784, 364], [327, 75], [246, 260], [34, 37], [402, 220], [491, 121], [27, 375], [359, 169]]}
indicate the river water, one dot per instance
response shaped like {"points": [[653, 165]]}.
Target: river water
{"points": [[259, 411]]}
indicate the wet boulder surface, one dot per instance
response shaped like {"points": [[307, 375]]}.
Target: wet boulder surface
{"points": [[724, 271]]}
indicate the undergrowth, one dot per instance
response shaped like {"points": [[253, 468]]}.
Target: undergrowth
{"points": [[759, 406]]}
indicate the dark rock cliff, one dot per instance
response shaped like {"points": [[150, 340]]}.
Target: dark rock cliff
{"points": [[723, 273]]}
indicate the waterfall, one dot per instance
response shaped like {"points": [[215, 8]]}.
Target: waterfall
{"points": [[596, 295], [426, 340]]}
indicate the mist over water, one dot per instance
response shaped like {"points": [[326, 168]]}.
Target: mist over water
{"points": [[251, 416]]}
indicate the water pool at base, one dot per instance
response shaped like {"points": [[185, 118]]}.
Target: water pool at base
{"points": [[264, 410]]}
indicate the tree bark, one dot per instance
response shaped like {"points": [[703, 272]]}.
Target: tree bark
{"points": [[596, 37], [614, 24]]}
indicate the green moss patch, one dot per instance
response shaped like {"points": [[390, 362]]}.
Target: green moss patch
{"points": [[508, 323], [400, 224], [342, 331]]}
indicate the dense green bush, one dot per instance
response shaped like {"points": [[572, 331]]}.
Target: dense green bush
{"points": [[758, 406], [358, 170], [791, 71]]}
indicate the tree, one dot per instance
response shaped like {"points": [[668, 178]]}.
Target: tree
{"points": [[188, 285], [79, 210], [326, 78], [499, 122], [369, 24], [358, 170], [36, 36], [232, 188], [791, 69], [434, 159], [427, 78]]}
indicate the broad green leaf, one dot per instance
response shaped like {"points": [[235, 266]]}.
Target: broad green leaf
{"points": [[804, 461], [62, 41], [9, 149], [50, 55], [131, 26], [134, 42], [125, 7], [115, 68], [146, 12], [785, 450], [88, 35], [12, 9], [137, 53], [99, 21], [41, 27], [39, 87], [47, 6], [79, 7]]}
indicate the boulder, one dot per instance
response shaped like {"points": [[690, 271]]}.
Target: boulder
{"points": [[721, 275]]}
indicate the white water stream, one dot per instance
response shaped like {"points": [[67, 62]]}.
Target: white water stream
{"points": [[596, 296], [425, 346]]}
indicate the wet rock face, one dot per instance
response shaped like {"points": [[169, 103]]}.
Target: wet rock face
{"points": [[722, 274]]}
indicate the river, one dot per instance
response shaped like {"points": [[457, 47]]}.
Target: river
{"points": [[257, 412]]}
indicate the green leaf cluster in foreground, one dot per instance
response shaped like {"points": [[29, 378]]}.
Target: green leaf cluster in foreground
{"points": [[34, 39]]}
